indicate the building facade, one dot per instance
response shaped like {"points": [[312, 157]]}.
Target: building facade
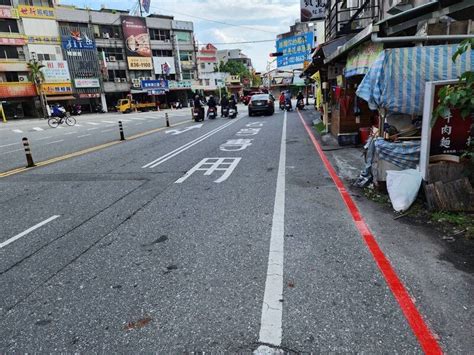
{"points": [[89, 58], [210, 79]]}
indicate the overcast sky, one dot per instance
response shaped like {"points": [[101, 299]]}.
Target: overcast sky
{"points": [[268, 17]]}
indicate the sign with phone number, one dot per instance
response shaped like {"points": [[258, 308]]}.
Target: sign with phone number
{"points": [[139, 63]]}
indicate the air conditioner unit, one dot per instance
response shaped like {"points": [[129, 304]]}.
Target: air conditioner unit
{"points": [[22, 78], [117, 80], [106, 35], [124, 80], [21, 51], [112, 59]]}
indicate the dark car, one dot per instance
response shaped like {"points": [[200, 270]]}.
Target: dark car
{"points": [[261, 104], [246, 98]]}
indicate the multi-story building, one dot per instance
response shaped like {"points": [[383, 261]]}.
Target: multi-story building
{"points": [[210, 79], [236, 55]]}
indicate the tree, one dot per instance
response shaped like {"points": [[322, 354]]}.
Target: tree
{"points": [[36, 76], [234, 67], [461, 95]]}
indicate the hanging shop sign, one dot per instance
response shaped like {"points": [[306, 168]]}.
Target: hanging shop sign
{"points": [[44, 39], [77, 41], [89, 96], [36, 12], [183, 84], [87, 83], [312, 10], [295, 49], [57, 88], [154, 84], [56, 71], [17, 90], [137, 43], [8, 12], [12, 41], [451, 134]]}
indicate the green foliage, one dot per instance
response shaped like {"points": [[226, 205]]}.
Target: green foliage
{"points": [[462, 221], [461, 95], [35, 74], [235, 68]]}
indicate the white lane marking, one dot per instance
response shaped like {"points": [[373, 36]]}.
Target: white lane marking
{"points": [[91, 129], [42, 139], [78, 125], [29, 230], [17, 130], [70, 133], [60, 127], [137, 124], [84, 135], [11, 151], [137, 118], [38, 129], [8, 145], [177, 131], [272, 308], [124, 120], [59, 141], [227, 165], [108, 121], [92, 123], [108, 130], [186, 146]]}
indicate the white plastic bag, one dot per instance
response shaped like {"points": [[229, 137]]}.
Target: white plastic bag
{"points": [[403, 188]]}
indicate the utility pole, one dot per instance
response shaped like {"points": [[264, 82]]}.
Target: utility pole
{"points": [[140, 7]]}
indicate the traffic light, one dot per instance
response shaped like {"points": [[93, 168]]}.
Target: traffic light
{"points": [[276, 54]]}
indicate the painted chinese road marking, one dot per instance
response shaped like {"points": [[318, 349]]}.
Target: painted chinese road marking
{"points": [[210, 165], [174, 132], [248, 131], [254, 124], [235, 145]]}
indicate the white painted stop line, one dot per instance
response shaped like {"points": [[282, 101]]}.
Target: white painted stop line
{"points": [[29, 230]]}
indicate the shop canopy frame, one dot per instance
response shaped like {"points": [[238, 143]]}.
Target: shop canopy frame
{"points": [[396, 80]]}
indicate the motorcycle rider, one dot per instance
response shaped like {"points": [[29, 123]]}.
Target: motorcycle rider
{"points": [[233, 102], [299, 98], [288, 98], [211, 103], [224, 104], [198, 105], [282, 99]]}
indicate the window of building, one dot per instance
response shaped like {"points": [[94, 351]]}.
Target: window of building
{"points": [[46, 3], [208, 82], [112, 54], [6, 2], [185, 56], [45, 56], [182, 36], [203, 65], [159, 35], [9, 26], [135, 74], [9, 52], [162, 53], [187, 75], [117, 74]]}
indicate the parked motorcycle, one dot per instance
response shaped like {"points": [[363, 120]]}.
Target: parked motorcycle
{"points": [[76, 110], [212, 113], [98, 109]]}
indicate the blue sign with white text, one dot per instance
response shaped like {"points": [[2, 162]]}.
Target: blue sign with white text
{"points": [[154, 84], [295, 49], [78, 40]]}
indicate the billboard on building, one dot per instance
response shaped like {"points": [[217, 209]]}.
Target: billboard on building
{"points": [[56, 71], [312, 10], [296, 50], [8, 12], [137, 43]]}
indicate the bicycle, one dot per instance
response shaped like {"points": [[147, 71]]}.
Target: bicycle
{"points": [[54, 122]]}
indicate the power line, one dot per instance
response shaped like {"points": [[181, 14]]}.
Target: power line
{"points": [[261, 41], [220, 22]]}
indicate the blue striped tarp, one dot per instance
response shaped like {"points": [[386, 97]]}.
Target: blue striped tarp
{"points": [[396, 80]]}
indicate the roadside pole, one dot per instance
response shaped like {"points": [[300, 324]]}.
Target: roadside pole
{"points": [[4, 118]]}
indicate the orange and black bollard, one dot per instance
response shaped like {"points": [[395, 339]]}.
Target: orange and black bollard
{"points": [[29, 158], [167, 120], [122, 136]]}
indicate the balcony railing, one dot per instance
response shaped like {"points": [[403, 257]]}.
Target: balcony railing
{"points": [[346, 16]]}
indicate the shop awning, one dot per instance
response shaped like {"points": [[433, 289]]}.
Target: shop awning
{"points": [[396, 80], [60, 98], [360, 59]]}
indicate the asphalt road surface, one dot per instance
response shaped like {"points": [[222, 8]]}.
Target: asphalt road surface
{"points": [[230, 236]]}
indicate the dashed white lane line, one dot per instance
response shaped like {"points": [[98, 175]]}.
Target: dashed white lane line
{"points": [[272, 307], [42, 139], [91, 129], [59, 141], [107, 130], [92, 123], [84, 135], [8, 145], [17, 130], [38, 129], [11, 151], [108, 121], [69, 133], [29, 230]]}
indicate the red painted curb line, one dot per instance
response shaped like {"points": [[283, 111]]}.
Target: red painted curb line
{"points": [[427, 340]]}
